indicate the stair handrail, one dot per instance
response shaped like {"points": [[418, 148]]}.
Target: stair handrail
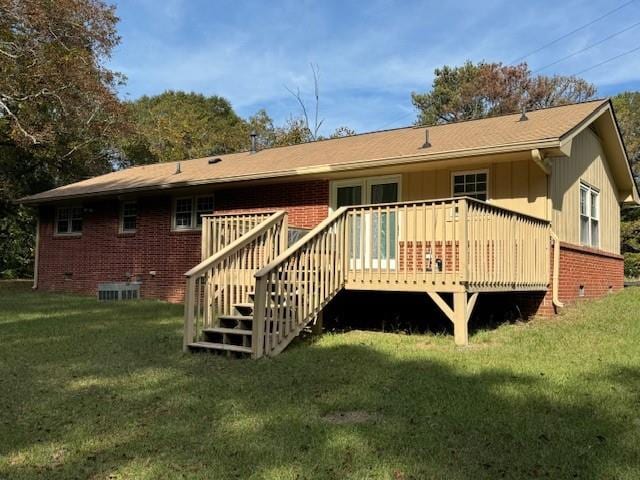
{"points": [[300, 243], [232, 223], [236, 245], [261, 278], [215, 260]]}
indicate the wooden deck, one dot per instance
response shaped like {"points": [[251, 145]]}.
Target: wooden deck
{"points": [[459, 246]]}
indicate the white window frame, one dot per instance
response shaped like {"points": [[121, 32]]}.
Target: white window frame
{"points": [[590, 189], [195, 209], [470, 172], [122, 207], [365, 184], [69, 232], [194, 212]]}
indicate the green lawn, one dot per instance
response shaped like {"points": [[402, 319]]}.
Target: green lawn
{"points": [[91, 390]]}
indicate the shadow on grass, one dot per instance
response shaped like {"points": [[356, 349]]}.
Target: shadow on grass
{"points": [[123, 400]]}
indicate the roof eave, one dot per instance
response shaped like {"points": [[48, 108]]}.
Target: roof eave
{"points": [[550, 143]]}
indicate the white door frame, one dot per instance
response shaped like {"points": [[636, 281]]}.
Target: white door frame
{"points": [[365, 183]]}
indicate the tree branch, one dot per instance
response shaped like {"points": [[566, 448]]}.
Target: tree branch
{"points": [[297, 96], [4, 107]]}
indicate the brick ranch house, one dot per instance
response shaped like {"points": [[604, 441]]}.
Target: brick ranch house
{"points": [[527, 204]]}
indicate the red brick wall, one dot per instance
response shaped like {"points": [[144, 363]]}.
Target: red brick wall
{"points": [[597, 271], [306, 203], [410, 252], [101, 254]]}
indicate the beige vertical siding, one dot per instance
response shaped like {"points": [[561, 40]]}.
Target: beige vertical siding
{"points": [[587, 163], [517, 185]]}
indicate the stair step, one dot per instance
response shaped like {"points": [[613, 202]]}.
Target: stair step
{"points": [[220, 346], [291, 295], [244, 318], [234, 331], [243, 305], [243, 308]]}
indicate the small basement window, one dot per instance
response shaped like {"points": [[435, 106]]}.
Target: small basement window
{"points": [[589, 216], [128, 217], [69, 220], [470, 184], [188, 212]]}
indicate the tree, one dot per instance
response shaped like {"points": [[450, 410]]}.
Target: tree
{"points": [[479, 90], [627, 108], [342, 131], [54, 87], [58, 106], [302, 123], [178, 125]]}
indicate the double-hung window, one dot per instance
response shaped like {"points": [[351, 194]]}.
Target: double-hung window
{"points": [[470, 184], [204, 206], [589, 216], [69, 221], [188, 212], [128, 217], [183, 214]]}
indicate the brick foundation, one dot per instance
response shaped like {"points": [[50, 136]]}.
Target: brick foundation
{"points": [[101, 254], [596, 271]]}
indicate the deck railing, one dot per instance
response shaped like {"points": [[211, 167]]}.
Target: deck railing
{"points": [[295, 287], [220, 229], [445, 244], [456, 244], [226, 277]]}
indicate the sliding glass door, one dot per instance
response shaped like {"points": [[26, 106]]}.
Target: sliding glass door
{"points": [[373, 234]]}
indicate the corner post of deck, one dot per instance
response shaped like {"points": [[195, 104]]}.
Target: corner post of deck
{"points": [[284, 234], [318, 323], [464, 240], [460, 317], [259, 319], [189, 305]]}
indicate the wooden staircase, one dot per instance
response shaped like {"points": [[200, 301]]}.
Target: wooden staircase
{"points": [[254, 296], [233, 333]]}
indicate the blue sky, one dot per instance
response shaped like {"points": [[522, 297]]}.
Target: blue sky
{"points": [[371, 54]]}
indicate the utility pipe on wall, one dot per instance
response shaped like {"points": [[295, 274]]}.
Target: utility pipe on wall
{"points": [[36, 253]]}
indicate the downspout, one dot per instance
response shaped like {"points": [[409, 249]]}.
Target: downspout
{"points": [[538, 157], [556, 272], [543, 163], [36, 253]]}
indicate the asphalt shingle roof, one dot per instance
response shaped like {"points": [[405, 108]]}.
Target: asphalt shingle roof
{"points": [[401, 144]]}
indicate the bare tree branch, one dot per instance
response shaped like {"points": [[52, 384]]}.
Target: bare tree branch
{"points": [[313, 132], [10, 55], [316, 90], [303, 107], [4, 107]]}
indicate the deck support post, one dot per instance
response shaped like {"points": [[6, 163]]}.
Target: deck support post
{"points": [[459, 314], [316, 328], [460, 317]]}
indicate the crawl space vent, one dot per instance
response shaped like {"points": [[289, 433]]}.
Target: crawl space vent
{"points": [[118, 291]]}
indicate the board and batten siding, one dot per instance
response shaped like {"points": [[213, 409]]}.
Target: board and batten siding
{"points": [[518, 185], [588, 164]]}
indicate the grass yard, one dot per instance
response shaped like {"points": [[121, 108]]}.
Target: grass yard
{"points": [[90, 390]]}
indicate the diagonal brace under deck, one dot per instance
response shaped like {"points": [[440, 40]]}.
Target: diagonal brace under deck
{"points": [[459, 314]]}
